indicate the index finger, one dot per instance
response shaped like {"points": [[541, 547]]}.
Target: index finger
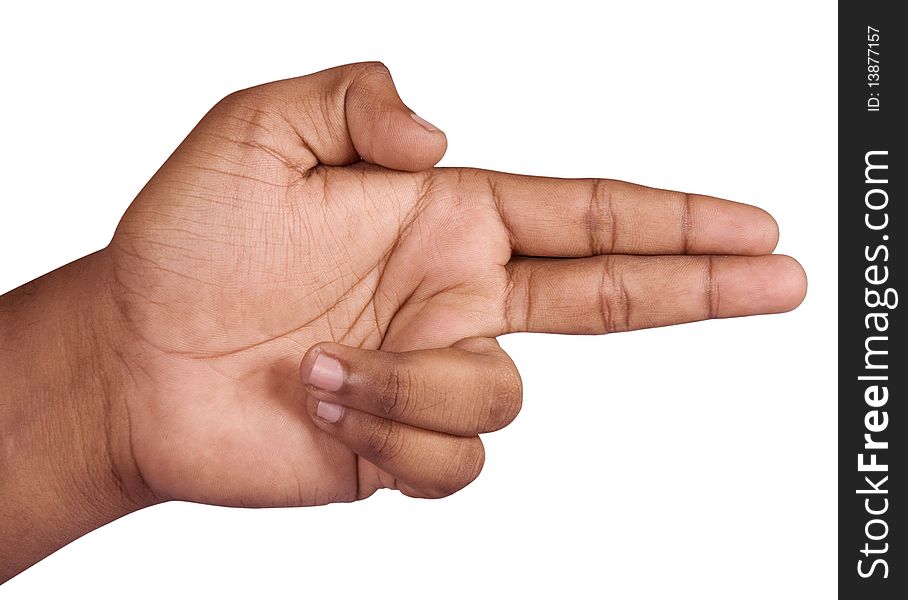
{"points": [[546, 216]]}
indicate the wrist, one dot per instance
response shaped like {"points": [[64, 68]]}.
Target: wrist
{"points": [[67, 466]]}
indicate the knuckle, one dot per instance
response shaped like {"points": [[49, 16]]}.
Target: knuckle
{"points": [[232, 99], [614, 305], [464, 467], [367, 74], [600, 218], [505, 398], [374, 67], [517, 300], [382, 441], [240, 101], [478, 345], [397, 391], [250, 115], [711, 289]]}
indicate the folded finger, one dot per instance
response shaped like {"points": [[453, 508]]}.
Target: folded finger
{"points": [[472, 387], [426, 464]]}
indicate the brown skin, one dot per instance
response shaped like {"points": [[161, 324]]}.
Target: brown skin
{"points": [[303, 217]]}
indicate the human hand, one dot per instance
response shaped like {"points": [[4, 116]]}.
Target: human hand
{"points": [[264, 234], [298, 309]]}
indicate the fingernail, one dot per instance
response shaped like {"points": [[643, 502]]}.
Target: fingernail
{"points": [[329, 412], [326, 373], [425, 124]]}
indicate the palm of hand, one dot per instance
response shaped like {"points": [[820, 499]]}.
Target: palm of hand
{"points": [[252, 272]]}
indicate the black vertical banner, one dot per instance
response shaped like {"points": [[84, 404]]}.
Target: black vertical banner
{"points": [[873, 437]]}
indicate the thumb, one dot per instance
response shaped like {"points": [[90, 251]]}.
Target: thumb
{"points": [[341, 115], [383, 130]]}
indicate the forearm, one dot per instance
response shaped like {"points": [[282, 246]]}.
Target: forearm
{"points": [[64, 457]]}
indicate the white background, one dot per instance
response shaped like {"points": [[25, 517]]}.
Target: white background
{"points": [[694, 461]]}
